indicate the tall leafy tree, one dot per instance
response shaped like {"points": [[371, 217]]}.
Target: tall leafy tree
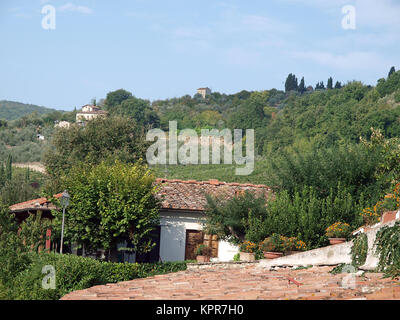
{"points": [[115, 98], [338, 85], [250, 114], [101, 139], [139, 110], [111, 204], [229, 218], [389, 85]]}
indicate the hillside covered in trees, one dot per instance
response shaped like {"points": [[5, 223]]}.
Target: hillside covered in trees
{"points": [[301, 118], [11, 110], [327, 152]]}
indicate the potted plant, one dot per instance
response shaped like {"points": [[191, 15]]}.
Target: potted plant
{"points": [[203, 253], [338, 232], [294, 245], [273, 246], [247, 251], [370, 216], [389, 205]]}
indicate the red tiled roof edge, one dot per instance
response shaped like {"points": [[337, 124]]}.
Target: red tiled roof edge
{"points": [[31, 203]]}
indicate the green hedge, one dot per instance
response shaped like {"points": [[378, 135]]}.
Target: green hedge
{"points": [[77, 273]]}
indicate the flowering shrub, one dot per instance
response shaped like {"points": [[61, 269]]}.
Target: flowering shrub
{"points": [[391, 202], [370, 216], [248, 246], [338, 230], [294, 244], [274, 243]]}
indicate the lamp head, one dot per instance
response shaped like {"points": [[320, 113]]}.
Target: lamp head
{"points": [[65, 199]]}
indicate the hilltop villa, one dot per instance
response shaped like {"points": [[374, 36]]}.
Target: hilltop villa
{"points": [[204, 92], [90, 112]]}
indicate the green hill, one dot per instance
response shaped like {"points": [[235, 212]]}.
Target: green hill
{"points": [[10, 110]]}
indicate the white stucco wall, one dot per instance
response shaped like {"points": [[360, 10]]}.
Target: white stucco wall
{"points": [[173, 236], [226, 251], [173, 233]]}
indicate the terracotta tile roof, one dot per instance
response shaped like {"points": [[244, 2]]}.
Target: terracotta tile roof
{"points": [[191, 194], [174, 194], [92, 112], [35, 204]]}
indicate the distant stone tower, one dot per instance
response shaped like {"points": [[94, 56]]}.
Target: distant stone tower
{"points": [[204, 91]]}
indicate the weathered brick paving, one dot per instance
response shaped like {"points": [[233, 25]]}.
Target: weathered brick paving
{"points": [[244, 283]]}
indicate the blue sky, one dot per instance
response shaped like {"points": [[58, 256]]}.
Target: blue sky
{"points": [[160, 49]]}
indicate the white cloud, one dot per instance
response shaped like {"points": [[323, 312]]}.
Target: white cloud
{"points": [[70, 7]]}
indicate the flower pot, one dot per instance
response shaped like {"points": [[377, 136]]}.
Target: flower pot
{"points": [[272, 255], [247, 256], [202, 259], [333, 241]]}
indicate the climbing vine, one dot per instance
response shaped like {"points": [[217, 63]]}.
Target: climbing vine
{"points": [[388, 248], [359, 250]]}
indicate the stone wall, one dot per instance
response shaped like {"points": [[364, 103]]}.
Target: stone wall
{"points": [[331, 255]]}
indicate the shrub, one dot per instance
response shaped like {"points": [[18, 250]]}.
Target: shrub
{"points": [[76, 273], [306, 216], [294, 244], [232, 219], [390, 202], [236, 257], [370, 216], [397, 96], [274, 243], [338, 230], [248, 246]]}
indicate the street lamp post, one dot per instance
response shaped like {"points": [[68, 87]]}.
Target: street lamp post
{"points": [[64, 202]]}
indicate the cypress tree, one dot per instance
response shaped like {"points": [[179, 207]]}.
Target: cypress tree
{"points": [[302, 86], [392, 70], [295, 83], [8, 171], [320, 85], [27, 175], [338, 85], [2, 175], [330, 83], [291, 83]]}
